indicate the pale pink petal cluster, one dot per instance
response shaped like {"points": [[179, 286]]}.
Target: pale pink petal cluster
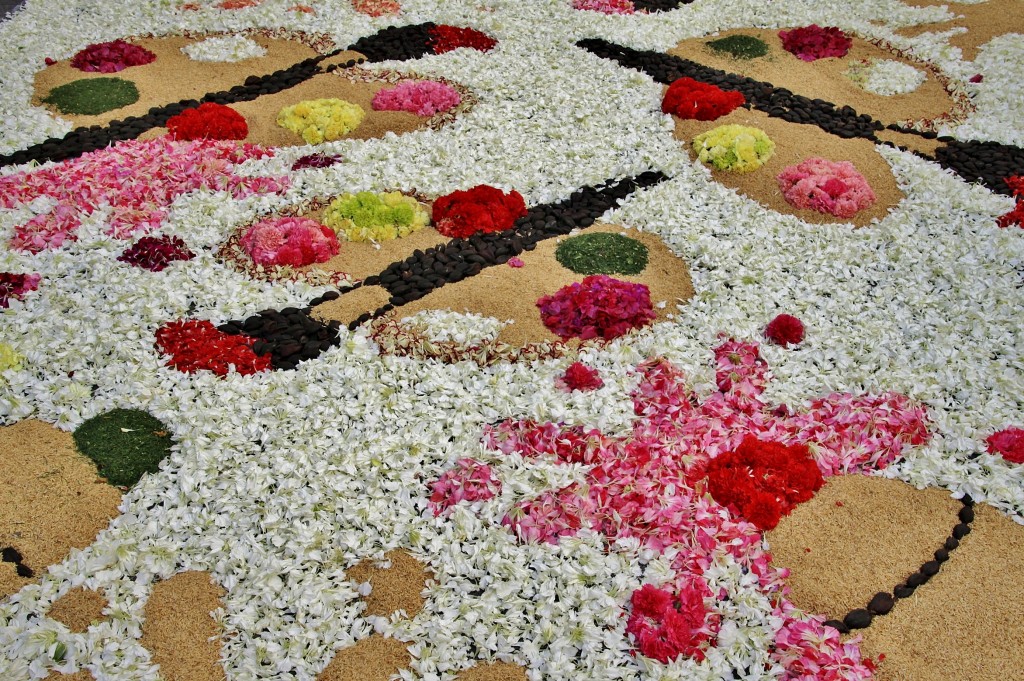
{"points": [[605, 6], [291, 241], [826, 186], [421, 97], [470, 480], [810, 651], [136, 180], [552, 515]]}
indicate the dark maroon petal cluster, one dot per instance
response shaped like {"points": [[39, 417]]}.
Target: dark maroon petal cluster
{"points": [[597, 307], [814, 42], [444, 38], [15, 286], [111, 57], [785, 330], [154, 253], [316, 161]]}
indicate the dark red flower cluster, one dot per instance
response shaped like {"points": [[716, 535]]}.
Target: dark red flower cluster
{"points": [[579, 377], [111, 57], [480, 209], [195, 345], [316, 161], [154, 253], [692, 99], [208, 121], [15, 286], [444, 38], [814, 42], [1009, 443], [764, 480], [666, 625], [597, 307], [785, 330], [1015, 216]]}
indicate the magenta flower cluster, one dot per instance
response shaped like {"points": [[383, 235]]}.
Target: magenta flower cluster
{"points": [[605, 6], [154, 253], [421, 97], [111, 57], [826, 186], [289, 241], [598, 307], [15, 286], [814, 42], [469, 480]]}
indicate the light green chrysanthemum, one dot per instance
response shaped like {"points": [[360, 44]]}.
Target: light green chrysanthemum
{"points": [[736, 148], [367, 216]]}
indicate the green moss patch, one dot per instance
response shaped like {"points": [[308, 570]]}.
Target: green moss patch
{"points": [[124, 443], [602, 253], [92, 96], [740, 46]]}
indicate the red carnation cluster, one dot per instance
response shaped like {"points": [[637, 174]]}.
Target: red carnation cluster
{"points": [[1015, 216], [208, 121], [1009, 443], [317, 160], [195, 345], [444, 38], [480, 209], [692, 99], [814, 42], [785, 330], [579, 377], [154, 253], [15, 286], [764, 480], [666, 625], [597, 307], [111, 57]]}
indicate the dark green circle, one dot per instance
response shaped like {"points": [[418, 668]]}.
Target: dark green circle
{"points": [[602, 253], [91, 96], [124, 443], [740, 46]]}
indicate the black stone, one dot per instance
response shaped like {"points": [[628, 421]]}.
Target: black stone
{"points": [[966, 514], [917, 579], [881, 603], [903, 591], [942, 555], [858, 619], [962, 530], [951, 543], [838, 626]]}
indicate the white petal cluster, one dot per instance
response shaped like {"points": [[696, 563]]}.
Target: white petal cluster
{"points": [[228, 48]]}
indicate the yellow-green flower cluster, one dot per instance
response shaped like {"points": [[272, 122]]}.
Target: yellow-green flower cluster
{"points": [[736, 148], [367, 216], [9, 358], [321, 120]]}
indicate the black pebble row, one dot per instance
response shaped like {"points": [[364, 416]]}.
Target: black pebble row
{"points": [[290, 335], [659, 5], [9, 554], [396, 42], [984, 162], [459, 259], [881, 603]]}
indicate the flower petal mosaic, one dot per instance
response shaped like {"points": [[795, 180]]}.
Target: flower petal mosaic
{"points": [[596, 501]]}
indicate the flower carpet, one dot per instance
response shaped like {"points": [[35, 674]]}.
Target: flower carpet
{"points": [[351, 340]]}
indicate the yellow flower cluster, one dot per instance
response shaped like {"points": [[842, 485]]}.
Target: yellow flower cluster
{"points": [[9, 358], [321, 120], [367, 216], [736, 148]]}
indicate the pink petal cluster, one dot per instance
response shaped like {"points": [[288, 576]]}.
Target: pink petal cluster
{"points": [[579, 377], [15, 286], [469, 480], [598, 307], [1008, 442], [377, 8], [111, 57], [813, 42], [137, 180], [296, 242], [605, 6], [421, 97], [667, 625], [826, 186], [651, 485]]}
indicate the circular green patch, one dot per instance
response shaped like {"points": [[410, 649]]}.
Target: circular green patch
{"points": [[602, 253], [124, 443], [740, 46], [91, 96]]}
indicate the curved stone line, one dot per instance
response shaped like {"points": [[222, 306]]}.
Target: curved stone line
{"points": [[986, 162], [406, 42], [882, 602]]}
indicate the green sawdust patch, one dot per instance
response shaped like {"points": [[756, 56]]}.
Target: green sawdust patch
{"points": [[602, 253], [124, 443], [92, 96], [740, 46]]}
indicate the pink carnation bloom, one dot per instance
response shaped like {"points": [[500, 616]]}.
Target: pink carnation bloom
{"points": [[289, 241], [1009, 442], [826, 186], [605, 6], [423, 98], [579, 377], [469, 480]]}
